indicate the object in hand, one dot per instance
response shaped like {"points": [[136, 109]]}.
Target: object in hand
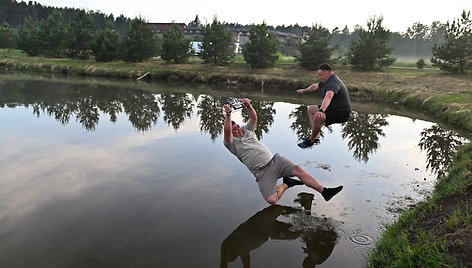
{"points": [[235, 103]]}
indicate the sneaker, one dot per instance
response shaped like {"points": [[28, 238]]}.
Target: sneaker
{"points": [[307, 143], [328, 193], [291, 182]]}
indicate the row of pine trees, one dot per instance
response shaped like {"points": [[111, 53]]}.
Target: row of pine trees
{"points": [[371, 50]]}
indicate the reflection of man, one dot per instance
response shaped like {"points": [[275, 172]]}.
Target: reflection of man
{"points": [[335, 107], [253, 233], [266, 167], [319, 246]]}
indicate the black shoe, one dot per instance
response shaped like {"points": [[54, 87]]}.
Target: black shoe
{"points": [[328, 193], [291, 182], [306, 143]]}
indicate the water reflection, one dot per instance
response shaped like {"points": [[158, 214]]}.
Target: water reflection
{"points": [[88, 103], [265, 116], [85, 103], [301, 125], [211, 117], [363, 131], [317, 234], [440, 146], [177, 108]]}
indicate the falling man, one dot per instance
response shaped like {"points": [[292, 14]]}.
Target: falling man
{"points": [[266, 167]]}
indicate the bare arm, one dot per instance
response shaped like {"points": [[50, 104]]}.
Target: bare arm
{"points": [[310, 88], [327, 100], [251, 111], [227, 125]]}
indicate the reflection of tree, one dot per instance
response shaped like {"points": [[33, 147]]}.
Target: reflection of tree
{"points": [[265, 116], [211, 116], [84, 102], [176, 107], [301, 125], [142, 110], [440, 146], [363, 131], [252, 234], [88, 113]]}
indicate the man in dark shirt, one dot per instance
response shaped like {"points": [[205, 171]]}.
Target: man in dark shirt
{"points": [[335, 107]]}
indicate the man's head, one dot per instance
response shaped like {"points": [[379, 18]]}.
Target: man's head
{"points": [[324, 72], [236, 130]]}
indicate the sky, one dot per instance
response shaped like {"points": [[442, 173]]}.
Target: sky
{"points": [[398, 15]]}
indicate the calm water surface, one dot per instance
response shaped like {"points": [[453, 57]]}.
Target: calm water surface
{"points": [[96, 175]]}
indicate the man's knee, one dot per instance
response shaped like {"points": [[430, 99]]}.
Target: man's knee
{"points": [[312, 109], [320, 117], [273, 198]]}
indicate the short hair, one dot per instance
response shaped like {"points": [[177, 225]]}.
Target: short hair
{"points": [[325, 67], [232, 122]]}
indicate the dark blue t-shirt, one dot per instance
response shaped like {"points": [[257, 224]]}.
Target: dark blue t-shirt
{"points": [[340, 101]]}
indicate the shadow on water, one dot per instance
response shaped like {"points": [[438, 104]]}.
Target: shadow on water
{"points": [[317, 233]]}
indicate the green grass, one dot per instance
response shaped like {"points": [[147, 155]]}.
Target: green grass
{"points": [[406, 244], [459, 219], [409, 64]]}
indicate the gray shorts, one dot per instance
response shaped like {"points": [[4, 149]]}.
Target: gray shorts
{"points": [[267, 177]]}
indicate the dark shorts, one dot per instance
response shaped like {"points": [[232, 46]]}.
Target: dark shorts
{"points": [[333, 117]]}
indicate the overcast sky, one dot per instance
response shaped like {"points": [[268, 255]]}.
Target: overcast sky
{"points": [[398, 15]]}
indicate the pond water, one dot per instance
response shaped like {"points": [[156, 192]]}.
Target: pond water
{"points": [[122, 174]]}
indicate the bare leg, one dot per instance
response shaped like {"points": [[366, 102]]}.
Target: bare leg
{"points": [[307, 179], [310, 181], [277, 195], [316, 121]]}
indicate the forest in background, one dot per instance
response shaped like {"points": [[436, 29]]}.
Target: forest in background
{"points": [[415, 43]]}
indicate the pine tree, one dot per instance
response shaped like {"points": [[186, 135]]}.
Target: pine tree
{"points": [[315, 50], [261, 50], [175, 47], [370, 51], [455, 55], [7, 37], [29, 38], [80, 35], [140, 43], [53, 35], [216, 44], [106, 44]]}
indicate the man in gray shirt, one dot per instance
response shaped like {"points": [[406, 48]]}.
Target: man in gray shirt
{"points": [[335, 107], [266, 167]]}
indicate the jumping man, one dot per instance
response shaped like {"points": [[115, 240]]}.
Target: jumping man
{"points": [[335, 107]]}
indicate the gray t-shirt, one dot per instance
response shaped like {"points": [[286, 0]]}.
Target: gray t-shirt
{"points": [[249, 150], [340, 101]]}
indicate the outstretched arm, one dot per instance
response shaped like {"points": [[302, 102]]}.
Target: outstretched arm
{"points": [[227, 125], [251, 111], [310, 88]]}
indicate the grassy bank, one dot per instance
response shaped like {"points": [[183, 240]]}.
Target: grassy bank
{"points": [[437, 232]]}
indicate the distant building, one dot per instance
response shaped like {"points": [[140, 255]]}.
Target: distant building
{"points": [[193, 31], [162, 27]]}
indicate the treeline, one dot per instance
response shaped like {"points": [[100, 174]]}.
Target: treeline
{"points": [[416, 42], [76, 35], [15, 13]]}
